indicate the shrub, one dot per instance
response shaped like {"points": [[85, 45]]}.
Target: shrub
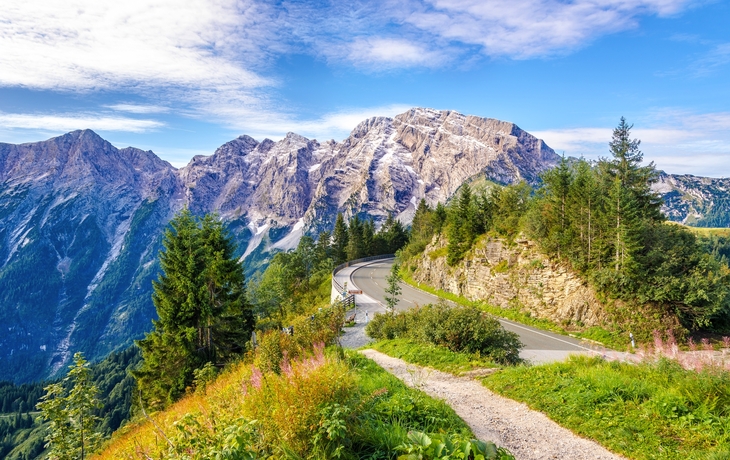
{"points": [[460, 329]]}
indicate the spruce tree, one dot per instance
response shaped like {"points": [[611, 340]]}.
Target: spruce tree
{"points": [[439, 217], [69, 407], [422, 226], [203, 314], [393, 291], [355, 248], [340, 240]]}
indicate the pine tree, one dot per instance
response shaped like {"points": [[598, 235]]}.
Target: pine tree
{"points": [[422, 226], [340, 240], [632, 203], [72, 429], [439, 217], [557, 184], [203, 314], [355, 248], [393, 291]]}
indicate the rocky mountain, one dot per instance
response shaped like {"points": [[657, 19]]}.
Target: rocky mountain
{"points": [[696, 201], [81, 221]]}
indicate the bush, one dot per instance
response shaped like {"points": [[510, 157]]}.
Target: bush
{"points": [[461, 329]]}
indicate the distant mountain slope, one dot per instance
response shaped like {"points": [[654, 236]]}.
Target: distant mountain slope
{"points": [[696, 201], [80, 220]]}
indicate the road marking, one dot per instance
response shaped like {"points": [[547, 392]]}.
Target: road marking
{"points": [[381, 264], [544, 335]]}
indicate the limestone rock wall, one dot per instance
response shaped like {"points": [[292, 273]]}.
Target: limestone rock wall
{"points": [[508, 276]]}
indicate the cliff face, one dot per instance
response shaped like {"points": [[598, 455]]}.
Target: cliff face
{"points": [[517, 276]]}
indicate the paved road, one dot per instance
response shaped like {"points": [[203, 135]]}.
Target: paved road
{"points": [[540, 346]]}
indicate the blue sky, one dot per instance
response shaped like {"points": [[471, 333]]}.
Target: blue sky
{"points": [[181, 77]]}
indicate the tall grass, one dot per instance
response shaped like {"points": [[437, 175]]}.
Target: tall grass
{"points": [[646, 410], [318, 406]]}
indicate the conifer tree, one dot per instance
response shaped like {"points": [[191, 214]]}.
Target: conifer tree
{"points": [[439, 217], [355, 249], [631, 199], [393, 291], [69, 407], [323, 251], [340, 240], [203, 314], [422, 226]]}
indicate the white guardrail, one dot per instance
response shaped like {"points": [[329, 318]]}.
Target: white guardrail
{"points": [[338, 291]]}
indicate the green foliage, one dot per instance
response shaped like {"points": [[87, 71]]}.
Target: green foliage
{"points": [[425, 354], [604, 221], [71, 414], [393, 291], [201, 303], [420, 446], [459, 329], [21, 436], [643, 411], [294, 283], [298, 282]]}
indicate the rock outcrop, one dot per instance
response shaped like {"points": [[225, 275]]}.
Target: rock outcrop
{"points": [[513, 276]]}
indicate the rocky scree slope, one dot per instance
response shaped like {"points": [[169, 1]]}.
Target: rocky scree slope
{"points": [[80, 220], [696, 201]]}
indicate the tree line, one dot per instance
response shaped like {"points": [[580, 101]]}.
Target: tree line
{"points": [[602, 219], [296, 281]]}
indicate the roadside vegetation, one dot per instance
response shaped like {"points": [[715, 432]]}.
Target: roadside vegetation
{"points": [[603, 221], [459, 329], [439, 358], [650, 410], [285, 400], [234, 375]]}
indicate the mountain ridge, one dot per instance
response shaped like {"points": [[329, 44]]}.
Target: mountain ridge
{"points": [[82, 219]]}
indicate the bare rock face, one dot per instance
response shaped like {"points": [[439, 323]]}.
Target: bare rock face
{"points": [[386, 165], [516, 276], [696, 201]]}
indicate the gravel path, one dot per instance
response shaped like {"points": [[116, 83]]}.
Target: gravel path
{"points": [[528, 434]]}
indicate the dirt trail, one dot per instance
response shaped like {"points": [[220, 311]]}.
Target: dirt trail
{"points": [[528, 434]]}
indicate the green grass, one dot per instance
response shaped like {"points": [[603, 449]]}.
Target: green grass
{"points": [[403, 405], [596, 333], [709, 231], [643, 411], [433, 356]]}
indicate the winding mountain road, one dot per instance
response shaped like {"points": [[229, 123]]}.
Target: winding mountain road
{"points": [[539, 346]]}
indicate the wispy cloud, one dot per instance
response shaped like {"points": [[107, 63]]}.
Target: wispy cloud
{"points": [[528, 28], [393, 52], [335, 125], [167, 52], [209, 58], [70, 122], [139, 108], [718, 56], [677, 141]]}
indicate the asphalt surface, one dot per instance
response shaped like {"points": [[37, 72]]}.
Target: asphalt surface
{"points": [[539, 345]]}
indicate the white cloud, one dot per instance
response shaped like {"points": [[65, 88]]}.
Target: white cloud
{"points": [[139, 108], [390, 52], [528, 28], [141, 46], [676, 141], [335, 125], [70, 122]]}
